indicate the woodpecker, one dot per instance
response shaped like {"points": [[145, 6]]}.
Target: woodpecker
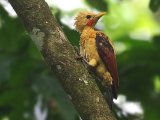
{"points": [[97, 50]]}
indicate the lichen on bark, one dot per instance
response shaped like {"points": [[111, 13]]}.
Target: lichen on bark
{"points": [[38, 38]]}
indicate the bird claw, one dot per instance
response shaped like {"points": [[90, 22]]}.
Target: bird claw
{"points": [[79, 58]]}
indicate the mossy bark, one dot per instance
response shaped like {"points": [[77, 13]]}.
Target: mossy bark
{"points": [[60, 56]]}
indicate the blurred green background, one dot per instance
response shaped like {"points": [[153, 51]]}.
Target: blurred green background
{"points": [[29, 91]]}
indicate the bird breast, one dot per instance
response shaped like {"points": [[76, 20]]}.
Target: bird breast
{"points": [[88, 48]]}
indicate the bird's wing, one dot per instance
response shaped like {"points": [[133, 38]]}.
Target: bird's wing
{"points": [[106, 53]]}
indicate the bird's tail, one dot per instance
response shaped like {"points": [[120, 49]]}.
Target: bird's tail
{"points": [[107, 90], [109, 95]]}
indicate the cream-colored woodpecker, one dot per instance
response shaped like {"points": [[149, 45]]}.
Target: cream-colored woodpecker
{"points": [[97, 49]]}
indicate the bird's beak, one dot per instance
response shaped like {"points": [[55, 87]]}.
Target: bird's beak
{"points": [[93, 21], [99, 15]]}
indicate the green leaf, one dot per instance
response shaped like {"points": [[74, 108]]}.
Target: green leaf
{"points": [[100, 5], [154, 5], [5, 62], [151, 108], [156, 40], [11, 39], [15, 101], [72, 35]]}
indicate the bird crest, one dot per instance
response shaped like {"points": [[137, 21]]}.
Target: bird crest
{"points": [[82, 19]]}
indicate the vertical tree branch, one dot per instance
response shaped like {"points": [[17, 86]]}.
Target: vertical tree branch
{"points": [[60, 57]]}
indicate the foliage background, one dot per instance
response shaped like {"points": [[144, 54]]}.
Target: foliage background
{"points": [[29, 91]]}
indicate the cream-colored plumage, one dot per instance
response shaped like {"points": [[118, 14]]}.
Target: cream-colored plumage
{"points": [[89, 52]]}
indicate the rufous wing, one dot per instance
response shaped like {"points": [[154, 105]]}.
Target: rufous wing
{"points": [[106, 53]]}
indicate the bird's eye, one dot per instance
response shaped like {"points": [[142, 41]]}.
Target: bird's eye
{"points": [[88, 16]]}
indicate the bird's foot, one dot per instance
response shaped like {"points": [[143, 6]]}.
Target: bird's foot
{"points": [[79, 58]]}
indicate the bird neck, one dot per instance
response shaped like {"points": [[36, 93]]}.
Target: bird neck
{"points": [[87, 30]]}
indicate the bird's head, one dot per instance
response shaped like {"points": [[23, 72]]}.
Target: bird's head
{"points": [[87, 19]]}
